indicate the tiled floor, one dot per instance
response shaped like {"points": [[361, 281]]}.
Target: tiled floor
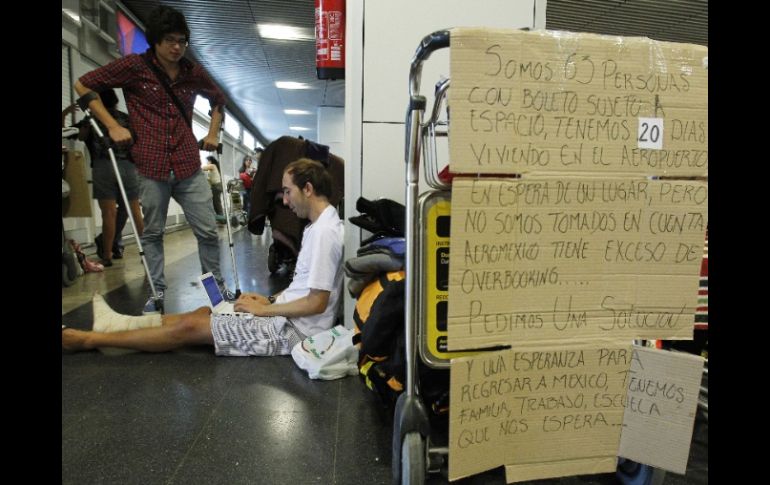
{"points": [[188, 417]]}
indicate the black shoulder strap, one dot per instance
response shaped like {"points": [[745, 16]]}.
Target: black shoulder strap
{"points": [[165, 85]]}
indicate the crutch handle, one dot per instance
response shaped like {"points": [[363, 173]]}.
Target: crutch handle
{"points": [[218, 150]]}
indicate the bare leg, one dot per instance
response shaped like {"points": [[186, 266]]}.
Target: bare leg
{"points": [[109, 213], [174, 318], [192, 328]]}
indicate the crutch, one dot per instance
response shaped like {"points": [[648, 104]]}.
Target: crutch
{"points": [[83, 102], [226, 205]]}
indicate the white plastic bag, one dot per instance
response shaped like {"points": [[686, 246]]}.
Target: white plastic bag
{"points": [[327, 355]]}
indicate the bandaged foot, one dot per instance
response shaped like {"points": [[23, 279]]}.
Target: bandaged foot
{"points": [[108, 320]]}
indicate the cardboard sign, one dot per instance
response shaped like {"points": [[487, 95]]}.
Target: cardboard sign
{"points": [[537, 408], [556, 258], [560, 101], [578, 256], [547, 412], [662, 401]]}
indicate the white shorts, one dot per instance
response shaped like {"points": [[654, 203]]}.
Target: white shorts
{"points": [[238, 336]]}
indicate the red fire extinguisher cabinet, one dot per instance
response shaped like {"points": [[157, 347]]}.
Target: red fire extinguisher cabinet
{"points": [[330, 39]]}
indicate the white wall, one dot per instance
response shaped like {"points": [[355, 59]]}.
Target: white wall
{"points": [[382, 36], [331, 128]]}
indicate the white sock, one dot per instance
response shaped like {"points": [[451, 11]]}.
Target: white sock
{"points": [[108, 320]]}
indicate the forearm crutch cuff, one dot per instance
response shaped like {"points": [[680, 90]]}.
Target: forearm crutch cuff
{"points": [[86, 99]]}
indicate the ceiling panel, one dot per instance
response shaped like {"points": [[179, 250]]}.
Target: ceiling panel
{"points": [[667, 20]]}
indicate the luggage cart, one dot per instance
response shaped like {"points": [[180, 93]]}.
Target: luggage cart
{"points": [[411, 445], [235, 202], [416, 448]]}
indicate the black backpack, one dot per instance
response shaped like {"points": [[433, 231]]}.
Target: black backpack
{"points": [[379, 335]]}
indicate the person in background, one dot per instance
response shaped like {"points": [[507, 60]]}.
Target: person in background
{"points": [[248, 165], [215, 181], [105, 184], [274, 324], [246, 173], [164, 148]]}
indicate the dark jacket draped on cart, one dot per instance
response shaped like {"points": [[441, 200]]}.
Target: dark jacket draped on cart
{"points": [[266, 187]]}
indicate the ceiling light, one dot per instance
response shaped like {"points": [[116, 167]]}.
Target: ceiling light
{"points": [[291, 85], [299, 128], [285, 32], [297, 112]]}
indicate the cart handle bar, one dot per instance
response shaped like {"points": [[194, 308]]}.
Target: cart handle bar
{"points": [[431, 42]]}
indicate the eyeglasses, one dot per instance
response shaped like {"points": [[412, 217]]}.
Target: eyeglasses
{"points": [[181, 42]]}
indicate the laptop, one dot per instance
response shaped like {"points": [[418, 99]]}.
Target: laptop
{"points": [[216, 300]]}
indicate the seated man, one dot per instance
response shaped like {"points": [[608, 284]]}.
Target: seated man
{"points": [[276, 323]]}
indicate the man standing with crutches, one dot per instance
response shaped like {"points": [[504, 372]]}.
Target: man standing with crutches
{"points": [[160, 87]]}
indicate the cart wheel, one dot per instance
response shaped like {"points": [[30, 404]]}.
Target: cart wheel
{"points": [[413, 461], [633, 473], [272, 263]]}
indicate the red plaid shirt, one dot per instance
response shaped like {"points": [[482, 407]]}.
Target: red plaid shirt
{"points": [[162, 139]]}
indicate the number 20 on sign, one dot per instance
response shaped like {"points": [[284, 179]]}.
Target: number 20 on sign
{"points": [[651, 133]]}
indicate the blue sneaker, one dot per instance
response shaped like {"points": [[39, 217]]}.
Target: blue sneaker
{"points": [[152, 306]]}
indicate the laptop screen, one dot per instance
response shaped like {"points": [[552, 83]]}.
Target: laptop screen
{"points": [[212, 290]]}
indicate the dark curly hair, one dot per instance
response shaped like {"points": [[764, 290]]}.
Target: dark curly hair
{"points": [[164, 20]]}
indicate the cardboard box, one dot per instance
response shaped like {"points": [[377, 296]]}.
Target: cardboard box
{"points": [[78, 204]]}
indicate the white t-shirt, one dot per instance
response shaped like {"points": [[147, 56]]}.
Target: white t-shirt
{"points": [[319, 266]]}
